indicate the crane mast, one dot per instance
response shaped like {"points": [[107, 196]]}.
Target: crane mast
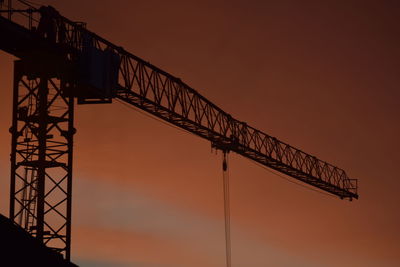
{"points": [[56, 65]]}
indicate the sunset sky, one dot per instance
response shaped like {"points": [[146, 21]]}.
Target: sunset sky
{"points": [[323, 76]]}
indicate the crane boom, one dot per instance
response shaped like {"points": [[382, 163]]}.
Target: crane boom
{"points": [[60, 60], [153, 90]]}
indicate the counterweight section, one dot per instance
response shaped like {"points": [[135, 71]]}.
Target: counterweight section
{"points": [[98, 74], [41, 157]]}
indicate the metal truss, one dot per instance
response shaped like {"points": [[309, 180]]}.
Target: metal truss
{"points": [[169, 98], [178, 104], [41, 158], [151, 89], [46, 81]]}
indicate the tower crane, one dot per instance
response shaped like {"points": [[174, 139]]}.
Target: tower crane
{"points": [[58, 61]]}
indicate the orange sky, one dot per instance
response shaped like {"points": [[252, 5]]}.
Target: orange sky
{"points": [[320, 75]]}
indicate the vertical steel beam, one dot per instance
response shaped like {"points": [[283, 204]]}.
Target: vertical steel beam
{"points": [[69, 136], [42, 117], [14, 137]]}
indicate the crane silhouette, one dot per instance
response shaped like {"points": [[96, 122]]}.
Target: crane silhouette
{"points": [[59, 61]]}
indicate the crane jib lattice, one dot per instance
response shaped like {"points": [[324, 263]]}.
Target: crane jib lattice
{"points": [[149, 88], [60, 60]]}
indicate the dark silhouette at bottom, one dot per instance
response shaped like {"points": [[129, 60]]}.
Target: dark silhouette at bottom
{"points": [[19, 249]]}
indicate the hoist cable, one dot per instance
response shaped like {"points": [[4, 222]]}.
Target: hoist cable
{"points": [[30, 3], [289, 179], [227, 211]]}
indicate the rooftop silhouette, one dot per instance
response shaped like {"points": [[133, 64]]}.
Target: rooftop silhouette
{"points": [[19, 248]]}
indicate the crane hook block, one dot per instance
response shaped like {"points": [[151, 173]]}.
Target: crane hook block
{"points": [[224, 163]]}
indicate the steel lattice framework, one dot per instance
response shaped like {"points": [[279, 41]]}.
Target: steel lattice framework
{"points": [[42, 130], [41, 157], [167, 97], [151, 89]]}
